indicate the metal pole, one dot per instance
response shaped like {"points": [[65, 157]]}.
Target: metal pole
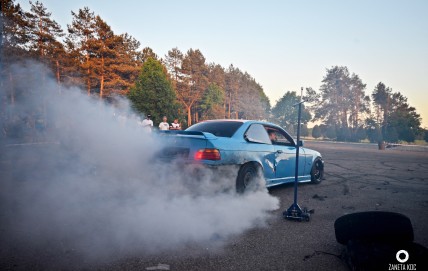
{"points": [[295, 212], [296, 173]]}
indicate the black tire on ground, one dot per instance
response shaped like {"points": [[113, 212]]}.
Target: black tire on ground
{"points": [[247, 177], [317, 171], [374, 226]]}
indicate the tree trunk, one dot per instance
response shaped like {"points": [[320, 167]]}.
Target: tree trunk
{"points": [[357, 110], [189, 116], [40, 39], [345, 118], [102, 77], [58, 76], [386, 113], [89, 76], [57, 72], [230, 101]]}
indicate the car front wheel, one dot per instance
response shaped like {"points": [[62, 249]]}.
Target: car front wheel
{"points": [[317, 171]]}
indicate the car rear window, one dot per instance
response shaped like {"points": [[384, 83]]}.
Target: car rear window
{"points": [[217, 128]]}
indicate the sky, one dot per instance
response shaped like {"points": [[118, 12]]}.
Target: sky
{"points": [[284, 45]]}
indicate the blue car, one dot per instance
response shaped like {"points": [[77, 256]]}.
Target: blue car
{"points": [[254, 148]]}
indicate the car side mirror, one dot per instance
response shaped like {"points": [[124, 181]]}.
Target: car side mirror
{"points": [[300, 143]]}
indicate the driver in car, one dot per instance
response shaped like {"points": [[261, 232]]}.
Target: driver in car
{"points": [[272, 136]]}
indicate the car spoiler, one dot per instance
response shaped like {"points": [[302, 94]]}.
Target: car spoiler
{"points": [[205, 135]]}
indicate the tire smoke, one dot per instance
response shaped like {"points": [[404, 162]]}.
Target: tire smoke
{"points": [[89, 185]]}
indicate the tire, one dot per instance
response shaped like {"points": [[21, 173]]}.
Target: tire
{"points": [[317, 171], [248, 177], [373, 226]]}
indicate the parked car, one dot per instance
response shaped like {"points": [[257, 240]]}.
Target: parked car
{"points": [[253, 147]]}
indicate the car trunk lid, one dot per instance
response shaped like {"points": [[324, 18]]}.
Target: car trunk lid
{"points": [[183, 144]]}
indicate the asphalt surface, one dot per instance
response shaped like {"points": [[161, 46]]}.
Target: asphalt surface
{"points": [[358, 177]]}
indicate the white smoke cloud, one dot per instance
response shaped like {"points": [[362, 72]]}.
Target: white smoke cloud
{"points": [[98, 190]]}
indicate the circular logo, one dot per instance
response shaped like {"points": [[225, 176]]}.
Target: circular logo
{"points": [[398, 256]]}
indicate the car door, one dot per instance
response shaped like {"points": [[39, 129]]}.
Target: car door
{"points": [[261, 148], [285, 156]]}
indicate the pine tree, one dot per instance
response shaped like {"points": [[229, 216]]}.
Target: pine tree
{"points": [[360, 105], [342, 102], [285, 112], [232, 88], [148, 53], [127, 65], [153, 93], [80, 43], [14, 38], [44, 38], [173, 62], [217, 76], [251, 103], [104, 49], [212, 102], [44, 31], [194, 83]]}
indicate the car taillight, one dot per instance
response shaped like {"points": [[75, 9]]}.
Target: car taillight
{"points": [[208, 154]]}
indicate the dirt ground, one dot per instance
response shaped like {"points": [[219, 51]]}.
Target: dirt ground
{"points": [[358, 177]]}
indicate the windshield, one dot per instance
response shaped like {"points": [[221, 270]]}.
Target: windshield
{"points": [[217, 128]]}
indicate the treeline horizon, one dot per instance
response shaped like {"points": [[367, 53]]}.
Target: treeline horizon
{"points": [[90, 55], [347, 113], [183, 85]]}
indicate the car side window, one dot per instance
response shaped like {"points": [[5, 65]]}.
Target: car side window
{"points": [[257, 134], [278, 137]]}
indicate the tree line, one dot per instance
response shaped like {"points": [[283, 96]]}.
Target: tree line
{"points": [[183, 85], [346, 113], [90, 55]]}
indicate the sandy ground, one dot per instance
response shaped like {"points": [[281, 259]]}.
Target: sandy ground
{"points": [[358, 178]]}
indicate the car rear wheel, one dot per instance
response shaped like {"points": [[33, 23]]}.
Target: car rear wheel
{"points": [[317, 171], [248, 177]]}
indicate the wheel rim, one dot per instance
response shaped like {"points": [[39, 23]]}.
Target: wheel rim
{"points": [[317, 173]]}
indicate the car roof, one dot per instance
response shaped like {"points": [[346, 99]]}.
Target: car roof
{"points": [[222, 120], [248, 122], [243, 121]]}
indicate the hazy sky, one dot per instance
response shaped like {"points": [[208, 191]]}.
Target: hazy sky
{"points": [[283, 44]]}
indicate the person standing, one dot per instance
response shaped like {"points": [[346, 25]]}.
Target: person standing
{"points": [[163, 126], [147, 123], [175, 125]]}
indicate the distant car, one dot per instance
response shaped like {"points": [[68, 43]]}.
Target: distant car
{"points": [[253, 147]]}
